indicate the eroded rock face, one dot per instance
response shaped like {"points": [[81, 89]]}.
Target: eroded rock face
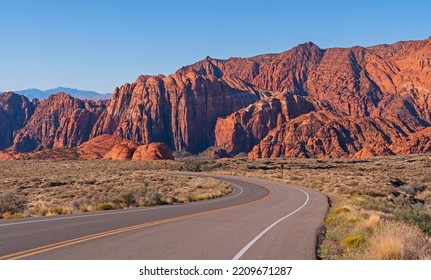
{"points": [[107, 146], [242, 130], [15, 111], [417, 143], [153, 151], [178, 110], [371, 97], [58, 121], [330, 135]]}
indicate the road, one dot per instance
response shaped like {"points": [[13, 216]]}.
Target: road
{"points": [[260, 219]]}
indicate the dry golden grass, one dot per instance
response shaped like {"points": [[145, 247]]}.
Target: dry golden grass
{"points": [[397, 241], [64, 187], [387, 249], [372, 222]]}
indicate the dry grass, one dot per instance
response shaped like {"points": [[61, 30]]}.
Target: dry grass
{"points": [[64, 187], [366, 195], [388, 248], [370, 198], [396, 241]]}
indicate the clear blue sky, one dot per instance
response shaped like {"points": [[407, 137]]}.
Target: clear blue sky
{"points": [[98, 45]]}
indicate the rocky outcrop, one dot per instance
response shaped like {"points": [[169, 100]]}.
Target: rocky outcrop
{"points": [[58, 121], [153, 151], [179, 110], [417, 143], [384, 89], [330, 135], [15, 111], [107, 146], [242, 130], [122, 151]]}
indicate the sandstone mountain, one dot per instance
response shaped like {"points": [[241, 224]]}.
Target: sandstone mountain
{"points": [[367, 100], [15, 111], [305, 102], [180, 110], [58, 121]]}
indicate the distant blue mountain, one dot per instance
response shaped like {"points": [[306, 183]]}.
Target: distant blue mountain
{"points": [[32, 93]]}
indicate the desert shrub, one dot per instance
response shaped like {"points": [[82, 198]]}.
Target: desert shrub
{"points": [[12, 203], [415, 216], [375, 204], [334, 215], [387, 249], [353, 241], [58, 210], [8, 216], [129, 199], [104, 206], [372, 222], [151, 197], [396, 241], [192, 166]]}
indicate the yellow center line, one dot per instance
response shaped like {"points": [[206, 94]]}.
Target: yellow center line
{"points": [[49, 247]]}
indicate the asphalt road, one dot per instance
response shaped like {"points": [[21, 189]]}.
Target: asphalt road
{"points": [[259, 220]]}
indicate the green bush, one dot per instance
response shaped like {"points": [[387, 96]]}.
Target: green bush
{"points": [[12, 203]]}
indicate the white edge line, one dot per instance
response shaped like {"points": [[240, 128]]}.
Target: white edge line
{"points": [[252, 242], [129, 211]]}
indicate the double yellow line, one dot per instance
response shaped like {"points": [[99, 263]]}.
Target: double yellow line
{"points": [[50, 247]]}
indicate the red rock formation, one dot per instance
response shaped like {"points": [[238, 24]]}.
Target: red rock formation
{"points": [[122, 151], [15, 111], [5, 156], [180, 110], [107, 146], [59, 121], [330, 135], [153, 151], [242, 130], [309, 102], [385, 89], [417, 143]]}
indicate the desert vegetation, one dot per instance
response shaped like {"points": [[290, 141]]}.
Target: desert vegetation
{"points": [[380, 207], [40, 187]]}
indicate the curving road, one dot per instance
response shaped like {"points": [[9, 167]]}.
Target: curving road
{"points": [[260, 219]]}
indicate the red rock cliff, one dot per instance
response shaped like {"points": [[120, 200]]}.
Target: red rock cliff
{"points": [[58, 121], [15, 111], [179, 110]]}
